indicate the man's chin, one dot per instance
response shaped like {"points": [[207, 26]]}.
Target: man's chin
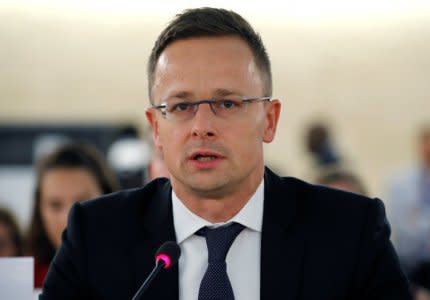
{"points": [[210, 189]]}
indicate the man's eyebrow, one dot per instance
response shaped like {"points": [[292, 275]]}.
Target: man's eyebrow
{"points": [[220, 92], [225, 92], [182, 95]]}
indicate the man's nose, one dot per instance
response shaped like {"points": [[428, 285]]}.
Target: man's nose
{"points": [[203, 123]]}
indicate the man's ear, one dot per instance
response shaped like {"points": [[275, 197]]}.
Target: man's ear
{"points": [[153, 122], [273, 110]]}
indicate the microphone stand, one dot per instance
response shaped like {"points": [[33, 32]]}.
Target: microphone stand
{"points": [[158, 266]]}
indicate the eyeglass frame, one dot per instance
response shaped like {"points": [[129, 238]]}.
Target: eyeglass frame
{"points": [[245, 100]]}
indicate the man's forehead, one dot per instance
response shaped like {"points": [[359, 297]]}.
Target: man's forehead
{"points": [[191, 48], [211, 53], [208, 66]]}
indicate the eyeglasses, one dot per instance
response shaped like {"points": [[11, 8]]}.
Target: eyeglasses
{"points": [[177, 109]]}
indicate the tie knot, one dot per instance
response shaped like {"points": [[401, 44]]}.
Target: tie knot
{"points": [[219, 240]]}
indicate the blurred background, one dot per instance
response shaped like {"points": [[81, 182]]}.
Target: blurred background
{"points": [[77, 70]]}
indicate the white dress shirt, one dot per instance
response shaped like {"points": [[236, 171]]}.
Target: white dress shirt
{"points": [[243, 258]]}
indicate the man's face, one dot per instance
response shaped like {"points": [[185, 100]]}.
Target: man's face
{"points": [[208, 155]]}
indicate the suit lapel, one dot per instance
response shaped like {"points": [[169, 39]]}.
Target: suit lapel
{"points": [[156, 227], [282, 245]]}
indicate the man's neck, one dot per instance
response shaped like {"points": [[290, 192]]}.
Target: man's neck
{"points": [[218, 209]]}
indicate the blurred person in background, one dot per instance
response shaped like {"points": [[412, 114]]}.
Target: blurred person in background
{"points": [[409, 199], [156, 166], [342, 180], [128, 156], [72, 173], [420, 277], [319, 143], [11, 243]]}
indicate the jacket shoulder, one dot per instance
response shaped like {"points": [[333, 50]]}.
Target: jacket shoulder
{"points": [[317, 203], [123, 210], [125, 200]]}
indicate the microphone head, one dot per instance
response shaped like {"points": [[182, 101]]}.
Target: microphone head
{"points": [[168, 253]]}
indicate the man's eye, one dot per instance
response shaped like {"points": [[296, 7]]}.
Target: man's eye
{"points": [[180, 107], [229, 104]]}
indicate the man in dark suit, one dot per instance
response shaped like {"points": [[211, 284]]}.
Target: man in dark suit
{"points": [[244, 232]]}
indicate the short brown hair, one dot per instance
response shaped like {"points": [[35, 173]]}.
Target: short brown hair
{"points": [[206, 21]]}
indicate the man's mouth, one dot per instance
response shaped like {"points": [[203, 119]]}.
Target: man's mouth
{"points": [[206, 159], [205, 155], [200, 157]]}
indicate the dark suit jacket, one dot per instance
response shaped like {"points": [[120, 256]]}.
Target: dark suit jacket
{"points": [[317, 244]]}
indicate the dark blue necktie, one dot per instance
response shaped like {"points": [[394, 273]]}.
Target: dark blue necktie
{"points": [[215, 284]]}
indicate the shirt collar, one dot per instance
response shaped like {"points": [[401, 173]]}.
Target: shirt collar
{"points": [[187, 223]]}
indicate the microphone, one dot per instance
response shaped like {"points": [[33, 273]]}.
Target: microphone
{"points": [[165, 257]]}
